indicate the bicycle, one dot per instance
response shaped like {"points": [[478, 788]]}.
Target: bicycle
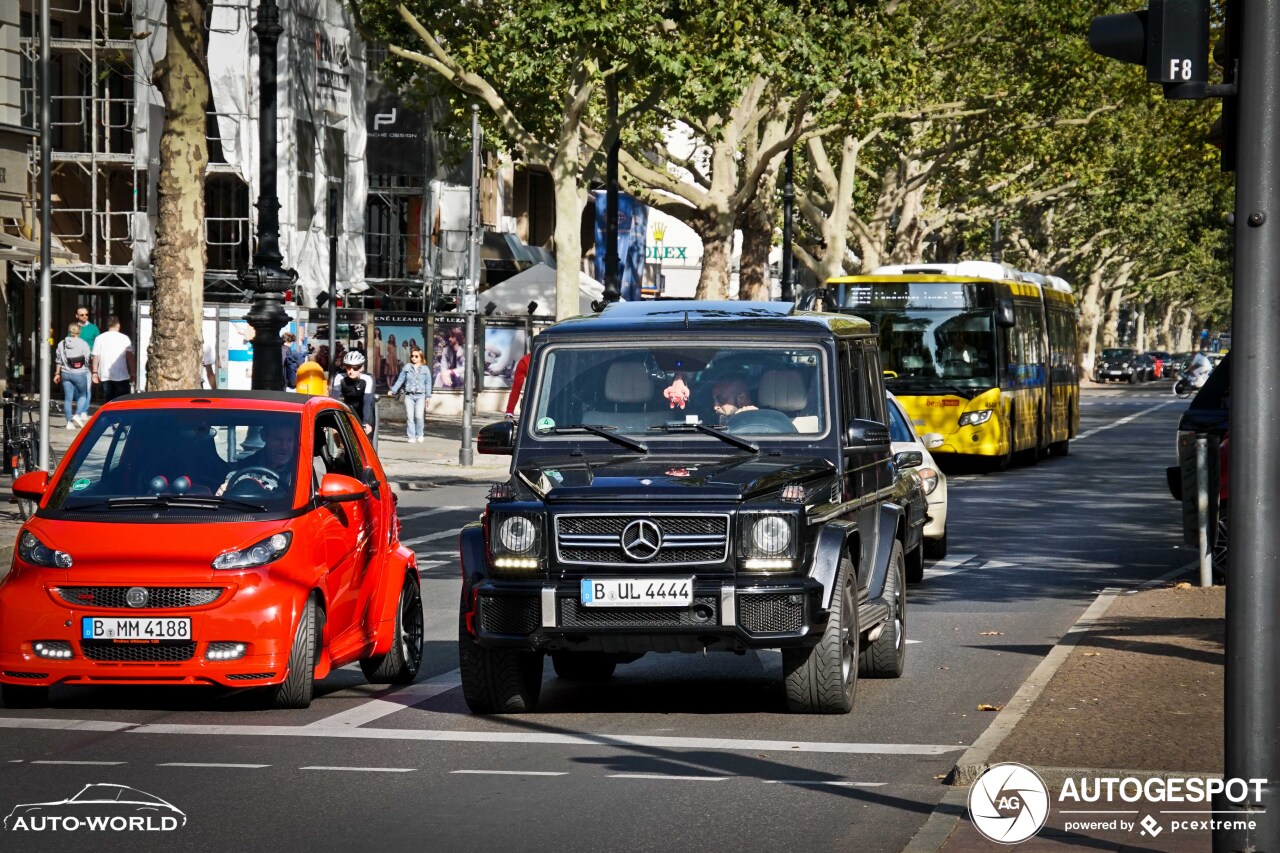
{"points": [[21, 443]]}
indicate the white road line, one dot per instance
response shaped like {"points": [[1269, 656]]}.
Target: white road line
{"points": [[423, 513], [510, 772], [211, 764], [551, 738], [666, 778], [813, 782], [391, 701], [366, 769], [949, 566], [1126, 419], [92, 763], [430, 537], [71, 725]]}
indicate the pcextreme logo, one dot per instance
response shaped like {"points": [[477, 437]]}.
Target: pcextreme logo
{"points": [[101, 807], [1010, 803]]}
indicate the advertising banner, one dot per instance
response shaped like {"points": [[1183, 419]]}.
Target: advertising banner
{"points": [[633, 218]]}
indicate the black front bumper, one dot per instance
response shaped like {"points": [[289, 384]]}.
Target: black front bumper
{"points": [[727, 614]]}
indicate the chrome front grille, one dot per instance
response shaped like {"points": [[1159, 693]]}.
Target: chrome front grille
{"points": [[686, 539], [158, 597]]}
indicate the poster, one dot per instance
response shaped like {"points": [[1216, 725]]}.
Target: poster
{"points": [[633, 219], [394, 337], [350, 335], [503, 347], [447, 353]]}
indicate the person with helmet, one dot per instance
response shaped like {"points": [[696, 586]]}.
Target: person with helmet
{"points": [[355, 388]]}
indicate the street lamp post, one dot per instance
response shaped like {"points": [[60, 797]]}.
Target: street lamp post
{"points": [[612, 279], [470, 292], [268, 278], [788, 206]]}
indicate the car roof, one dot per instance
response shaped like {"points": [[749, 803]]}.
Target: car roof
{"points": [[679, 315], [266, 400]]}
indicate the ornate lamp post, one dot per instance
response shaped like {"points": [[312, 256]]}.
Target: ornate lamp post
{"points": [[267, 278]]}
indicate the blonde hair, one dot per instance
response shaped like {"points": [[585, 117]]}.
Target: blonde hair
{"points": [[73, 330]]}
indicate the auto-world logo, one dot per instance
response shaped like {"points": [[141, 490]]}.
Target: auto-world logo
{"points": [[100, 807], [1008, 803]]}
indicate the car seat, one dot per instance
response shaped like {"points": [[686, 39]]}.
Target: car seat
{"points": [[629, 388], [787, 391]]}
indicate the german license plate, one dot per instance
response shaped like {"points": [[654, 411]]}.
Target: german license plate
{"points": [[94, 628], [637, 592]]}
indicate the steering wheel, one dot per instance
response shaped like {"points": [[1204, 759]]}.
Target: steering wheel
{"points": [[760, 422], [259, 479]]}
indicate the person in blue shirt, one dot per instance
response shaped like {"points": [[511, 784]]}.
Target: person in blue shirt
{"points": [[415, 379]]}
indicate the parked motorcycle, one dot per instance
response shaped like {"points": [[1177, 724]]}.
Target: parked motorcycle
{"points": [[1189, 383]]}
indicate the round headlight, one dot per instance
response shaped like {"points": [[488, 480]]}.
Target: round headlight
{"points": [[517, 534], [259, 554], [771, 535]]}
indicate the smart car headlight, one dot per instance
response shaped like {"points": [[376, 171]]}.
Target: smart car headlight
{"points": [[975, 418], [768, 540], [33, 551], [258, 554]]}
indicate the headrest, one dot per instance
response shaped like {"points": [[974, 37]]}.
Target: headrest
{"points": [[783, 390], [628, 382]]}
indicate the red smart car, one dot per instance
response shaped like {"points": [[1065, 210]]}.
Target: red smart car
{"points": [[242, 539]]}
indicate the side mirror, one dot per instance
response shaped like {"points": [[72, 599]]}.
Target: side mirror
{"points": [[1004, 312], [339, 488], [908, 459], [32, 485], [371, 480], [933, 439], [863, 434], [497, 439]]}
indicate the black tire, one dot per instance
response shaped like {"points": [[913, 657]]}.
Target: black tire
{"points": [[934, 549], [1133, 378], [298, 687], [583, 666], [823, 679], [401, 664], [24, 696], [886, 657], [498, 681]]}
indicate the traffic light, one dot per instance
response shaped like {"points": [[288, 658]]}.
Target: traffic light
{"points": [[1226, 53], [1170, 38]]}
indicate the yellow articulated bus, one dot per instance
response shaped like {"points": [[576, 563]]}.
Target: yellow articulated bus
{"points": [[980, 353]]}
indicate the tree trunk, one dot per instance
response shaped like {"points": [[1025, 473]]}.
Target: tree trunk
{"points": [[1111, 331], [178, 259], [754, 279], [570, 199], [715, 228], [1090, 314]]}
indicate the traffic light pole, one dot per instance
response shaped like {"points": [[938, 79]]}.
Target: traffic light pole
{"points": [[1253, 570]]}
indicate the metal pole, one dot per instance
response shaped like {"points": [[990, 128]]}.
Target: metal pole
{"points": [[1252, 690], [788, 205], [268, 278], [333, 277], [612, 280], [46, 252], [470, 289], [1202, 509]]}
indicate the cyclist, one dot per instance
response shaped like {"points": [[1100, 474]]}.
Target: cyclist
{"points": [[355, 388]]}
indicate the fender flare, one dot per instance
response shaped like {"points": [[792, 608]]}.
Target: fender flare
{"points": [[383, 609], [472, 555], [836, 539], [887, 530]]}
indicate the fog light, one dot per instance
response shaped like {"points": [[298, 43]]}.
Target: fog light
{"points": [[225, 651], [766, 565], [54, 649]]}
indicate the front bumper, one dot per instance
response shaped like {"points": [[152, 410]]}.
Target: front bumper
{"points": [[1113, 373], [730, 615]]}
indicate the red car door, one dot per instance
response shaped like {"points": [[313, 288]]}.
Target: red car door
{"points": [[344, 527]]}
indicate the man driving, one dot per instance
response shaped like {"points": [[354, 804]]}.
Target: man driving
{"points": [[730, 396], [271, 469]]}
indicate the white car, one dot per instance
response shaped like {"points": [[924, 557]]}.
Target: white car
{"points": [[933, 482]]}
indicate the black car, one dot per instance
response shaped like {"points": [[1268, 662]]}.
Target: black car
{"points": [[692, 477], [1124, 365], [1208, 415]]}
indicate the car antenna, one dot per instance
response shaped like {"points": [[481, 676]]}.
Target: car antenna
{"points": [[686, 320]]}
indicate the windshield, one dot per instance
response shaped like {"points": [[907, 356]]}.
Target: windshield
{"points": [[643, 389], [1118, 353], [194, 458], [937, 348], [898, 429]]}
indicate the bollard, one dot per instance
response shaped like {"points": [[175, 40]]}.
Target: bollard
{"points": [[1202, 509]]}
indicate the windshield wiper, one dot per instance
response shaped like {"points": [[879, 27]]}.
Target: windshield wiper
{"points": [[603, 432], [933, 382], [676, 426], [166, 501]]}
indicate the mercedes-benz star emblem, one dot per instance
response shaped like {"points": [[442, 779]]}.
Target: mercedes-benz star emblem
{"points": [[136, 596], [641, 540]]}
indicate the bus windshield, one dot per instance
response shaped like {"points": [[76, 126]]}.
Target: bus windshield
{"points": [[937, 349]]}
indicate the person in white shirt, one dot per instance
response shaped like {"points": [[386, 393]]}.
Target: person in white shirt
{"points": [[113, 364], [210, 364]]}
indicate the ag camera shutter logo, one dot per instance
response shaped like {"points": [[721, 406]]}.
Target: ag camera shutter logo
{"points": [[1008, 803]]}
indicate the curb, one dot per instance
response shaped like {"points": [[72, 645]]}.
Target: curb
{"points": [[953, 807]]}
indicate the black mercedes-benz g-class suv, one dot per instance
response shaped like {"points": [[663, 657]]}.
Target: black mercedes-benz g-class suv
{"points": [[693, 476]]}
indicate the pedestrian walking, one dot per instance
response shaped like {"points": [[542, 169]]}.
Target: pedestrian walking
{"points": [[88, 331], [415, 379], [209, 361], [355, 388], [292, 355], [517, 384], [71, 369], [113, 364]]}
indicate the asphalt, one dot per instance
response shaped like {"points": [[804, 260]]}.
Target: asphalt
{"points": [[1026, 730]]}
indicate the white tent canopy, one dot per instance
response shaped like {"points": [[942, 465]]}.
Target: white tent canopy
{"points": [[536, 284]]}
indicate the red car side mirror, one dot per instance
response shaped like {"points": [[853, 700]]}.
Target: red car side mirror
{"points": [[32, 485], [338, 488]]}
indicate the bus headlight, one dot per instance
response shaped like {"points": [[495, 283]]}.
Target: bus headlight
{"points": [[975, 418]]}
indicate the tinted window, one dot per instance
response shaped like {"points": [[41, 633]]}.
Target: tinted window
{"points": [[898, 429]]}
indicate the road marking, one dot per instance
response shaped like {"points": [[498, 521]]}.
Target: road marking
{"points": [[667, 778], [963, 563], [511, 772], [70, 725], [423, 513], [430, 537], [818, 782], [365, 769], [391, 701], [91, 763], [1126, 419], [212, 764], [552, 738]]}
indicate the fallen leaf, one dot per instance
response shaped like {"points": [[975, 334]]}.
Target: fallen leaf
{"points": [[991, 633], [939, 775], [1182, 585], [1093, 654], [985, 707]]}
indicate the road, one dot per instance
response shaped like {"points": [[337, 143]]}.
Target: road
{"points": [[673, 752]]}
